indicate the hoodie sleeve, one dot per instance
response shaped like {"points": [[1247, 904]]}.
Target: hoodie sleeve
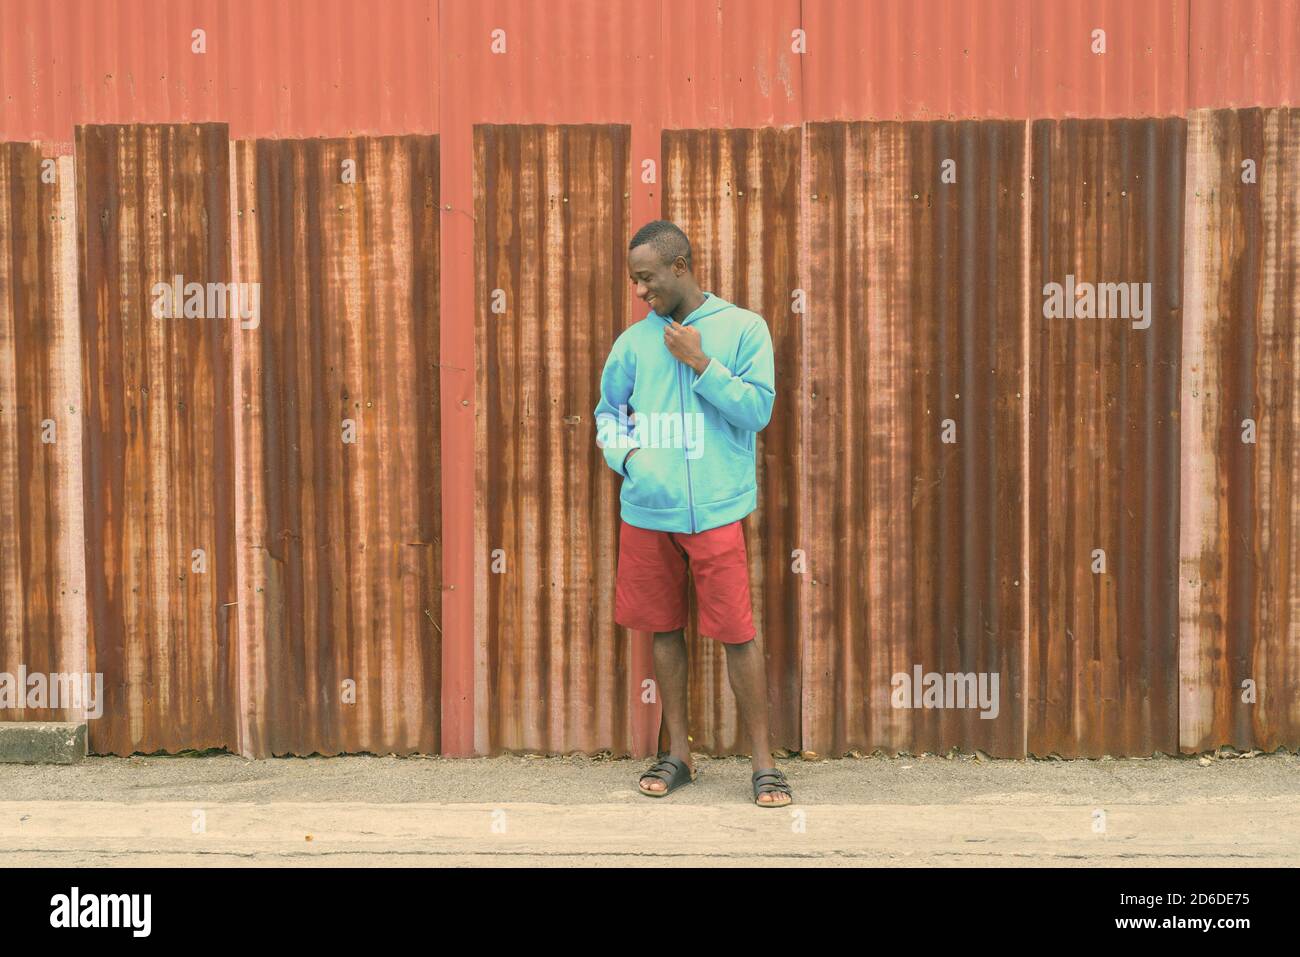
{"points": [[745, 395], [614, 432]]}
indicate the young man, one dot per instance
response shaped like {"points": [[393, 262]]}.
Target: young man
{"points": [[683, 392]]}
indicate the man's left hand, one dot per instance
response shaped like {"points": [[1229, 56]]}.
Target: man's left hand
{"points": [[684, 343]]}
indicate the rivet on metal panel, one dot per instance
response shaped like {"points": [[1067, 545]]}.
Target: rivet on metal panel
{"points": [[464, 401]]}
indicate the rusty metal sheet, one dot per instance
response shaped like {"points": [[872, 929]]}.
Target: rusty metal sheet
{"points": [[42, 558], [552, 214], [914, 515], [736, 195], [1239, 578], [339, 472], [153, 204], [1107, 207]]}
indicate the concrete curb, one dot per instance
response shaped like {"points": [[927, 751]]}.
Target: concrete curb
{"points": [[42, 742]]}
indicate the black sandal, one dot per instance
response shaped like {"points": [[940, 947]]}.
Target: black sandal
{"points": [[771, 781], [671, 770]]}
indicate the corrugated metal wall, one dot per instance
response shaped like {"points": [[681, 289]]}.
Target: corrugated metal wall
{"points": [[1239, 578], [923, 304]]}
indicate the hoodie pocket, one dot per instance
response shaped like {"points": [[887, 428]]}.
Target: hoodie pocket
{"points": [[656, 478], [722, 469]]}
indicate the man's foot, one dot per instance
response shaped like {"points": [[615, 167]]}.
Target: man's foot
{"points": [[771, 788], [659, 779]]}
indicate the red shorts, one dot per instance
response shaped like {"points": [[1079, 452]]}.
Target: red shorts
{"points": [[651, 594]]}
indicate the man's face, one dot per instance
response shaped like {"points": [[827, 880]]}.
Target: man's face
{"points": [[658, 283]]}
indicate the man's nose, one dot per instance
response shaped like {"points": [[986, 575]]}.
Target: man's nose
{"points": [[640, 291]]}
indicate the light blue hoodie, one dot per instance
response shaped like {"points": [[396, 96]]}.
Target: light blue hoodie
{"points": [[695, 468]]}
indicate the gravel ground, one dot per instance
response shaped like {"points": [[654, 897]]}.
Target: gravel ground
{"points": [[928, 779]]}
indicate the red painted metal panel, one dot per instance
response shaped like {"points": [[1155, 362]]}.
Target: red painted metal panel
{"points": [[945, 59], [333, 67], [917, 59], [1243, 53], [153, 204], [729, 63], [288, 68], [42, 555]]}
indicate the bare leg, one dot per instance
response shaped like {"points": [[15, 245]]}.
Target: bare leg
{"points": [[670, 676], [748, 675]]}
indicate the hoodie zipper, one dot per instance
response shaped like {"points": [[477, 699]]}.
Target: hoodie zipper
{"points": [[690, 496], [681, 397]]}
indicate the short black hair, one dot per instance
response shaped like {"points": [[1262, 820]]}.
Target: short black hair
{"points": [[666, 237]]}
